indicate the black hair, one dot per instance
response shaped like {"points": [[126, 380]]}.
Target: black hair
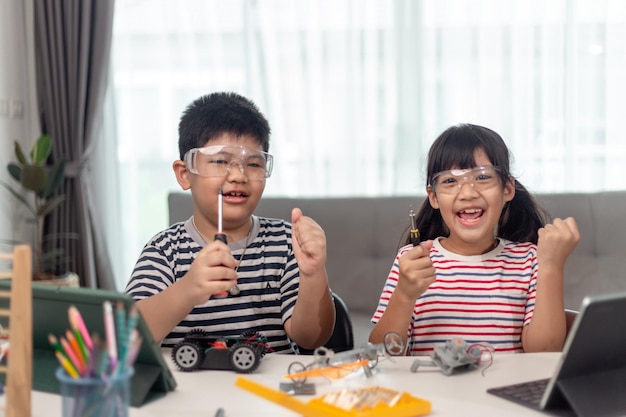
{"points": [[224, 112], [521, 218]]}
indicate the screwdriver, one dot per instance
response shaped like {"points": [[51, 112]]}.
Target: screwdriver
{"points": [[414, 233], [220, 235]]}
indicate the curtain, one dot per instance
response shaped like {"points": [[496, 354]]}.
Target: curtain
{"points": [[72, 43], [357, 90]]}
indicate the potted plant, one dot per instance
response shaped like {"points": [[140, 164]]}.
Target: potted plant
{"points": [[38, 181]]}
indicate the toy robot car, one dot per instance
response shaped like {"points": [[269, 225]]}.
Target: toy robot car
{"points": [[199, 350]]}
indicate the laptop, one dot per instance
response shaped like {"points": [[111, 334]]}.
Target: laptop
{"points": [[152, 378], [590, 377]]}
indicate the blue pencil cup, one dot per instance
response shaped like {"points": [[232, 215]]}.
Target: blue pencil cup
{"points": [[95, 397]]}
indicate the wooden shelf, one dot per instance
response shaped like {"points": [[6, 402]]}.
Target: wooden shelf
{"points": [[19, 368]]}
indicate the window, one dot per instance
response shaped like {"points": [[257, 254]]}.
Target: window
{"points": [[357, 90]]}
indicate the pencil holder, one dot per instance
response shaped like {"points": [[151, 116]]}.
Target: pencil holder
{"points": [[94, 396]]}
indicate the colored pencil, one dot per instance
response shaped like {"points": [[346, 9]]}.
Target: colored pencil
{"points": [[84, 351], [66, 364], [133, 317], [58, 348], [77, 323], [133, 350], [69, 336], [77, 349], [122, 335], [109, 327], [100, 355], [71, 355], [127, 339]]}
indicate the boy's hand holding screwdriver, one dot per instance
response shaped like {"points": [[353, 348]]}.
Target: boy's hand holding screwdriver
{"points": [[213, 271], [220, 235]]}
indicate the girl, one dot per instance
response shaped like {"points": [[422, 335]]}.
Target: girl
{"points": [[490, 269]]}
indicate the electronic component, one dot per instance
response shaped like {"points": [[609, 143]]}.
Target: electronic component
{"points": [[456, 355]]}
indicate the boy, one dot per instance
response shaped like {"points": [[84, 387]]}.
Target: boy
{"points": [[264, 279]]}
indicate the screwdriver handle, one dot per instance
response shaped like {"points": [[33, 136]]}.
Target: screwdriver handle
{"points": [[415, 237], [221, 237]]}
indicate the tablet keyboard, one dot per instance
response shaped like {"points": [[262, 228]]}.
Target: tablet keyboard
{"points": [[526, 393]]}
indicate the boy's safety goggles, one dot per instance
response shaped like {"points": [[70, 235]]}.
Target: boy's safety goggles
{"points": [[216, 161], [481, 178]]}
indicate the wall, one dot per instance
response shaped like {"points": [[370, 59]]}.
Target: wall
{"points": [[17, 87]]}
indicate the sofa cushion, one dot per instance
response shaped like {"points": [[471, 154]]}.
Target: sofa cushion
{"points": [[364, 234]]}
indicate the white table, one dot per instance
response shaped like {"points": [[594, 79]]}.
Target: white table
{"points": [[200, 393]]}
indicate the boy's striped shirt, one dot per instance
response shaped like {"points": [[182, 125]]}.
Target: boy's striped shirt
{"points": [[268, 280]]}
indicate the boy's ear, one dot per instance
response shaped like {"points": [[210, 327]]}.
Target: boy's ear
{"points": [[509, 189], [183, 176], [432, 198]]}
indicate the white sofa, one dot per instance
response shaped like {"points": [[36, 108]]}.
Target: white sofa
{"points": [[364, 233]]}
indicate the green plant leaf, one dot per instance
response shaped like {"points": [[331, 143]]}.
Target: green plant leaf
{"points": [[41, 150], [19, 196], [55, 178], [15, 171], [34, 178], [19, 154], [50, 205]]}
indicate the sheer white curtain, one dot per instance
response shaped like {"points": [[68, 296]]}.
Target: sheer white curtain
{"points": [[357, 90]]}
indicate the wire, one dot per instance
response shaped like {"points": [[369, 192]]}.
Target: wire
{"points": [[484, 349]]}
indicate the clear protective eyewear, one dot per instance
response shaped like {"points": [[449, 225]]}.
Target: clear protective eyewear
{"points": [[216, 161], [481, 178]]}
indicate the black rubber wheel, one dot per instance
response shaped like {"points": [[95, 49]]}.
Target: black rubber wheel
{"points": [[188, 356], [197, 333], [249, 333], [244, 358]]}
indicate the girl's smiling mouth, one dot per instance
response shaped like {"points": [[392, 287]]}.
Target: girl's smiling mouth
{"points": [[470, 215]]}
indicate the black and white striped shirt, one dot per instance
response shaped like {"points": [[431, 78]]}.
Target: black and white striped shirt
{"points": [[268, 280]]}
